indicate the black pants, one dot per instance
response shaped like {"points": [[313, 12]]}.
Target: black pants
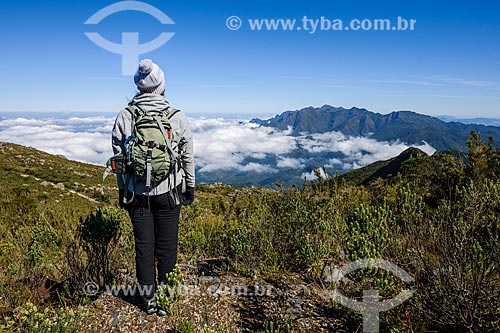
{"points": [[156, 225]]}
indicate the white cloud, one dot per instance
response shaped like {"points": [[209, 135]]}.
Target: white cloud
{"points": [[220, 144], [258, 156], [286, 162], [311, 176], [257, 168], [359, 151], [225, 144], [334, 161], [80, 139]]}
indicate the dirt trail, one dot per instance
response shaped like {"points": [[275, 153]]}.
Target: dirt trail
{"points": [[228, 301], [64, 189]]}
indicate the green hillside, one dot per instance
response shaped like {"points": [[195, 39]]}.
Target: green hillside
{"points": [[258, 260], [380, 169]]}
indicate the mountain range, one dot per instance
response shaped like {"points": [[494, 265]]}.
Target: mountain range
{"points": [[284, 149], [477, 120], [405, 126]]}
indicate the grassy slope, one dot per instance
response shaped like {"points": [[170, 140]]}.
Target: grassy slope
{"points": [[37, 216], [277, 235]]}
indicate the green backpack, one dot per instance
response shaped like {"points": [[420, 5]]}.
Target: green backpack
{"points": [[149, 150]]}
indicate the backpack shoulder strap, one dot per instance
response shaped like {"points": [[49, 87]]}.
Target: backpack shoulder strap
{"points": [[135, 110], [172, 113], [169, 112]]}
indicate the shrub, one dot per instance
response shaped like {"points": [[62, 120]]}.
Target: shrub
{"points": [[32, 319], [98, 235], [184, 326], [170, 292], [459, 287]]}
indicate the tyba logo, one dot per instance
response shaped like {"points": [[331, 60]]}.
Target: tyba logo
{"points": [[129, 49], [371, 305]]}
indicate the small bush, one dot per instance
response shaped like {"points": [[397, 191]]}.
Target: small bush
{"points": [[184, 326], [459, 287], [32, 319], [98, 235], [170, 292]]}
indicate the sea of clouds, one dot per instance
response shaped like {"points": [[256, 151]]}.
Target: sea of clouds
{"points": [[219, 143]]}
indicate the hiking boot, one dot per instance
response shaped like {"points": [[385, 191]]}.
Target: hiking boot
{"points": [[161, 312], [150, 305]]}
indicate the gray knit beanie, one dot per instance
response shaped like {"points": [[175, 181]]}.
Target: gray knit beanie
{"points": [[149, 78]]}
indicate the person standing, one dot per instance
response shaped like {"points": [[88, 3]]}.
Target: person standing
{"points": [[155, 209]]}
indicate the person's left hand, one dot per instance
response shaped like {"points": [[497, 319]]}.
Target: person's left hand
{"points": [[121, 195], [188, 196]]}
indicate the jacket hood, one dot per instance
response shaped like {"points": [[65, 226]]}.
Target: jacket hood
{"points": [[150, 101]]}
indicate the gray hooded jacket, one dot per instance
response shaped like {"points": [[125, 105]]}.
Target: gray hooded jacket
{"points": [[182, 143]]}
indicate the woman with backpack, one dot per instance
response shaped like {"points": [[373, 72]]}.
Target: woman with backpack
{"points": [[155, 141]]}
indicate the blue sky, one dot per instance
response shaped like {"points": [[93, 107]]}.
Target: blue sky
{"points": [[450, 63]]}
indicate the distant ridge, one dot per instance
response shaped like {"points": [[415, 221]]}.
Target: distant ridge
{"points": [[381, 169], [478, 121], [406, 126]]}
